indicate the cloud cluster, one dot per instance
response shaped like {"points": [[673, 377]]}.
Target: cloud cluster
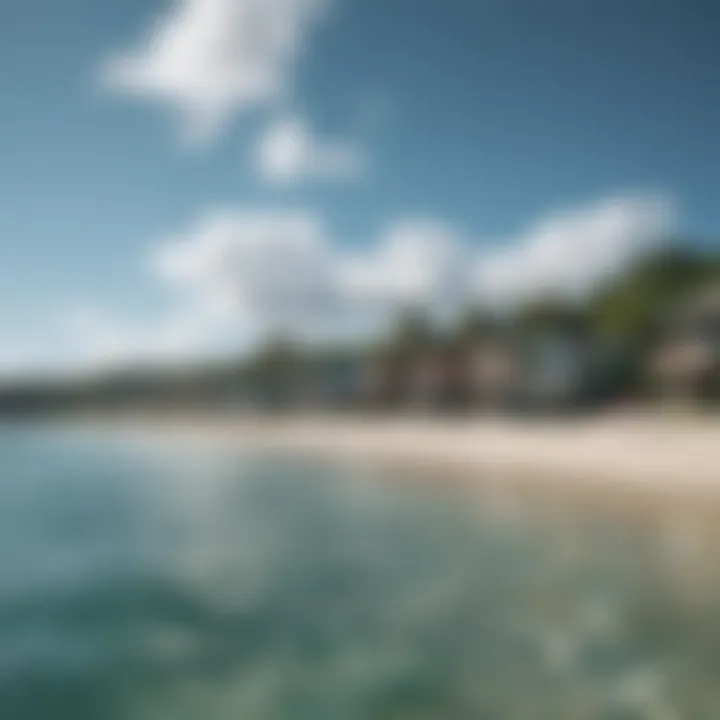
{"points": [[290, 152], [271, 271], [252, 268], [213, 59], [238, 273], [414, 263], [569, 254]]}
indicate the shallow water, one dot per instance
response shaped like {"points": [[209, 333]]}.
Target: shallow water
{"points": [[157, 580]]}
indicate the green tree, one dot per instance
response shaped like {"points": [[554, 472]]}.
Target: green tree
{"points": [[549, 315], [413, 333], [629, 311]]}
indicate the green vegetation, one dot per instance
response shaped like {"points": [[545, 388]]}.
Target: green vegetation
{"points": [[628, 312]]}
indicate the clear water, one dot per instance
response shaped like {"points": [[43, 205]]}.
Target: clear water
{"points": [[142, 581]]}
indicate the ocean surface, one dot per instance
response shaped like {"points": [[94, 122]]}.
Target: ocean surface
{"points": [[158, 579]]}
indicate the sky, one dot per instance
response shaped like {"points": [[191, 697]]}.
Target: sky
{"points": [[178, 178]]}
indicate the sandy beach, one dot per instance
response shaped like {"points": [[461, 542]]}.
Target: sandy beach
{"points": [[636, 451]]}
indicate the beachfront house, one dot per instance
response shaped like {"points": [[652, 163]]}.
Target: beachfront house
{"points": [[383, 381], [557, 372], [334, 383], [686, 364], [426, 379], [437, 380], [493, 374]]}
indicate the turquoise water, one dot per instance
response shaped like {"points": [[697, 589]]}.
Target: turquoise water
{"points": [[147, 581]]}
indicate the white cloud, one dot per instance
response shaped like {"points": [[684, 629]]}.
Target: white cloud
{"points": [[290, 152], [213, 59], [417, 262], [569, 254], [261, 271], [239, 273], [255, 269], [270, 269]]}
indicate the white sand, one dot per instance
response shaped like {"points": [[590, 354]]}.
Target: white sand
{"points": [[675, 452]]}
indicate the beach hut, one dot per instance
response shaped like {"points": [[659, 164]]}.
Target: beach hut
{"points": [[493, 374], [686, 363], [437, 380], [383, 381], [557, 371], [335, 383]]}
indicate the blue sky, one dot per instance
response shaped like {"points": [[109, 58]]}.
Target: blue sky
{"points": [[418, 125]]}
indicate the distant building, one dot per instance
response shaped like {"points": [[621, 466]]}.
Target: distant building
{"points": [[493, 374], [558, 370], [335, 383], [686, 363], [436, 380], [384, 382]]}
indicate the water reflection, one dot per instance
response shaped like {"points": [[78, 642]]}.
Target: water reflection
{"points": [[168, 582]]}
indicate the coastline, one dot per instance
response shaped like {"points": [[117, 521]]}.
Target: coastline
{"points": [[612, 451]]}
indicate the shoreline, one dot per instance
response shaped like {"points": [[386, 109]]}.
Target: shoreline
{"points": [[614, 450]]}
